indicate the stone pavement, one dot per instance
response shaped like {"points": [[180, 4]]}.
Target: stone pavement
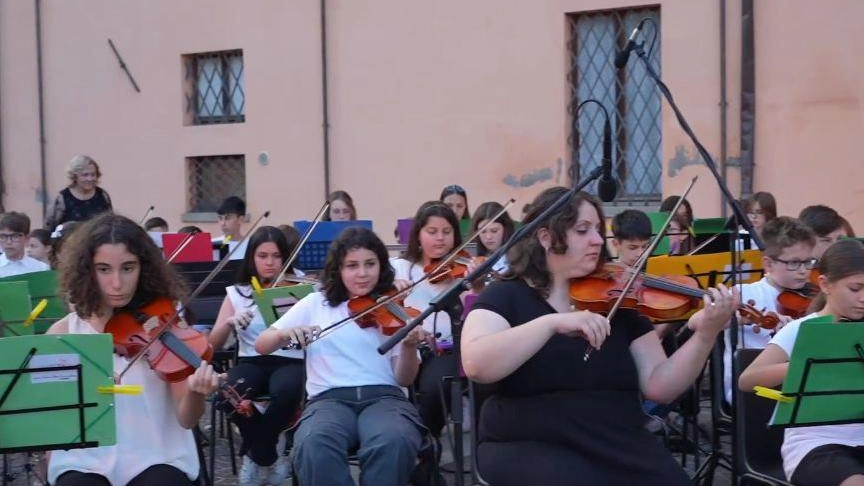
{"points": [[19, 473]]}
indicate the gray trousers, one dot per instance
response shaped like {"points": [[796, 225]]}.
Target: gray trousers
{"points": [[377, 422]]}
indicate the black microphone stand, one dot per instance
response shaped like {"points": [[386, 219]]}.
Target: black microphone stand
{"points": [[707, 470], [448, 301]]}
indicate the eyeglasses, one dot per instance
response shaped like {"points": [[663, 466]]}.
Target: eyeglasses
{"points": [[11, 236], [792, 265]]}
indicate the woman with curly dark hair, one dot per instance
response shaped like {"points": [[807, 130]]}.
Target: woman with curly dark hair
{"points": [[556, 417], [111, 264], [356, 402]]}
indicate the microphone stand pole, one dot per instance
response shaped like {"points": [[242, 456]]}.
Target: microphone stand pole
{"points": [[743, 220], [706, 472], [448, 301]]}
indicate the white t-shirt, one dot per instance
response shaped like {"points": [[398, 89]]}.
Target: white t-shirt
{"points": [[237, 254], [347, 356], [765, 297], [246, 338], [27, 264], [438, 323], [798, 441]]}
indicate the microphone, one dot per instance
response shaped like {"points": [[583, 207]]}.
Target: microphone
{"points": [[622, 56], [607, 187]]}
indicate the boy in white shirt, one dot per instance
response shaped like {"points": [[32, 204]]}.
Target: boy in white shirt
{"points": [[787, 260], [14, 228]]}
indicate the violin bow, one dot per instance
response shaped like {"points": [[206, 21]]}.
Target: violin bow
{"points": [[201, 286], [296, 252], [661, 233], [183, 244], [455, 252], [146, 214]]}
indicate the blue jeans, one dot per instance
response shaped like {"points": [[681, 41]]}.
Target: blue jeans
{"points": [[377, 421]]}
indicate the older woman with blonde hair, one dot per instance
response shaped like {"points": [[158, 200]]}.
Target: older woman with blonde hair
{"points": [[82, 198]]}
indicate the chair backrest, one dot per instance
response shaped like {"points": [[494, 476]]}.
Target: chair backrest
{"points": [[757, 446], [206, 309], [719, 408]]}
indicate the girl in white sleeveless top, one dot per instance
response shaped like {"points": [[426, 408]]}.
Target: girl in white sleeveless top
{"points": [[822, 454], [280, 375], [122, 268]]}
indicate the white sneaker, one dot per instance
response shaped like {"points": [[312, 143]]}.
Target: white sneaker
{"points": [[251, 474], [279, 472]]}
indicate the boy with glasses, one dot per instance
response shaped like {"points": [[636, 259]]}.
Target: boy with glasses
{"points": [[14, 228], [787, 259]]}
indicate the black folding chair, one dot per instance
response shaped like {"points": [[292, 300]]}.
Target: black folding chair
{"points": [[757, 447]]}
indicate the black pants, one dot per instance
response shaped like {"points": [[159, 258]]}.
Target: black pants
{"points": [[283, 380], [158, 474], [429, 388]]}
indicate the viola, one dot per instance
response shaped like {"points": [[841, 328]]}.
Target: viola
{"points": [[794, 303], [389, 317], [173, 349], [659, 298]]}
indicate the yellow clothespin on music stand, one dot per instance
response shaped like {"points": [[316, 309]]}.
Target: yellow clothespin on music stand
{"points": [[34, 314], [121, 389], [772, 394], [256, 285]]}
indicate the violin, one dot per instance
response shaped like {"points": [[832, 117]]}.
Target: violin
{"points": [[456, 268], [174, 350], [794, 303], [659, 298], [389, 317]]}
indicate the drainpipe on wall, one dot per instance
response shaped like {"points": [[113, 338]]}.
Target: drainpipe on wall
{"points": [[44, 187], [724, 104], [2, 180], [748, 97], [326, 119]]}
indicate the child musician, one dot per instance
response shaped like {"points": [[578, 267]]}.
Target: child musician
{"points": [[111, 264], [356, 402], [824, 454], [787, 259]]}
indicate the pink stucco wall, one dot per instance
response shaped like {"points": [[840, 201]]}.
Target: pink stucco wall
{"points": [[422, 94]]}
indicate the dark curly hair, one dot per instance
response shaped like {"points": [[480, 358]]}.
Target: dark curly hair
{"points": [[428, 209], [78, 275], [351, 239], [528, 258]]}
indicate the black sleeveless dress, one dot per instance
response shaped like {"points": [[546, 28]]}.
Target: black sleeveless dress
{"points": [[560, 420]]}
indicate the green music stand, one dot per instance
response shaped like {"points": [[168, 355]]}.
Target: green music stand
{"points": [[14, 309], [274, 302], [825, 380], [657, 219], [49, 397], [43, 285]]}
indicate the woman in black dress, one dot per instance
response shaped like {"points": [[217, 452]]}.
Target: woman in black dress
{"points": [[556, 418], [83, 198]]}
